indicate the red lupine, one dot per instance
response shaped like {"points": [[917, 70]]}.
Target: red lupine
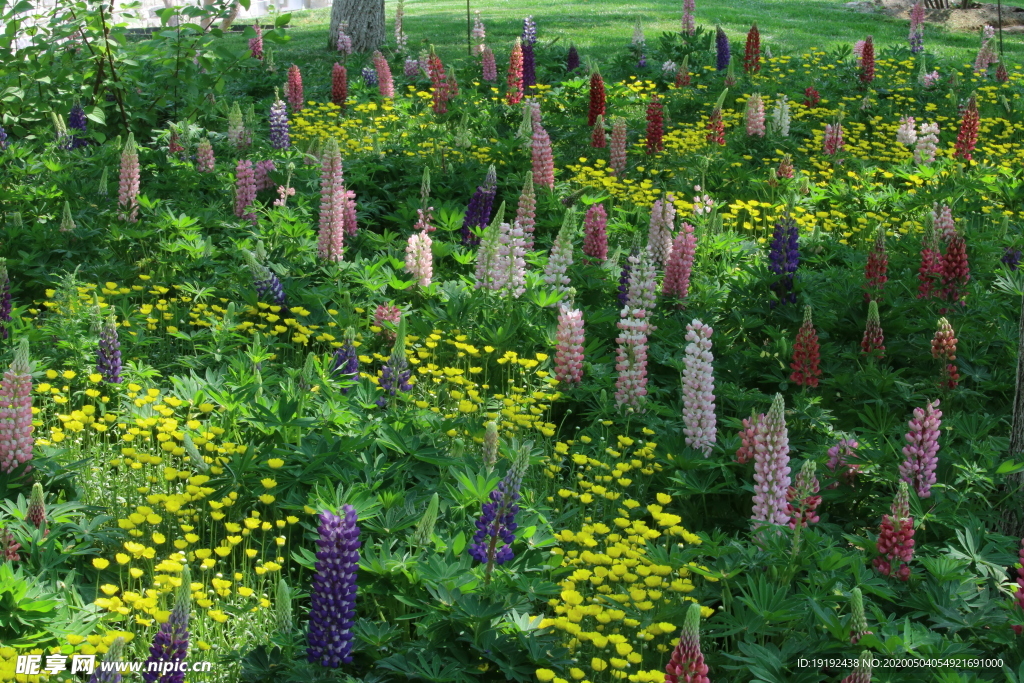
{"points": [[875, 271], [967, 138], [514, 95], [597, 99], [955, 270], [683, 77], [802, 501], [873, 343], [339, 85], [896, 538], [686, 665], [806, 354], [750, 437], [867, 62], [680, 263], [1001, 75], [944, 349], [655, 125], [811, 97], [930, 271], [752, 55], [595, 237], [295, 99], [597, 137], [716, 128]]}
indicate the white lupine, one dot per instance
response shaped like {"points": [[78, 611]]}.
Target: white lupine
{"points": [[781, 116], [418, 258], [927, 143], [516, 258], [699, 389], [906, 134]]}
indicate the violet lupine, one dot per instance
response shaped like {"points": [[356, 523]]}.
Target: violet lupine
{"points": [[754, 116], [916, 35], [205, 162], [906, 134], [385, 82], [529, 36], [922, 449], [572, 59], [623, 289], [3, 139], [689, 24], [419, 261], [295, 98], [279, 136], [370, 77], [262, 172], [108, 360], [543, 161], [802, 497], [77, 121], [16, 440], [595, 235], [478, 212], [395, 374], [526, 211], [1010, 258], [896, 538], [700, 427], [873, 342], [128, 194], [569, 351], [784, 259], [412, 67], [721, 49], [839, 457], [659, 233], [633, 325], [618, 147], [109, 673], [555, 272], [529, 66], [832, 143], [686, 665], [489, 65], [495, 530], [346, 360], [5, 299], [245, 189], [680, 263], [170, 644], [332, 607], [331, 238], [256, 43], [942, 220], [267, 285], [927, 143], [771, 467]]}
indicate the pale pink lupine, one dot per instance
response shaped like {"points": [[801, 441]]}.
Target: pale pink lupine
{"points": [[680, 263], [331, 238], [512, 239], [561, 254], [754, 116], [922, 449], [351, 222], [128, 194], [526, 212], [489, 66], [986, 54], [858, 51], [344, 42], [641, 292], [927, 143], [595, 236], [245, 189], [479, 34], [699, 389], [618, 146], [832, 143], [543, 162], [400, 36], [385, 82], [659, 232], [942, 220], [689, 21], [16, 440], [205, 162], [419, 261], [906, 133], [633, 325], [771, 467], [569, 352], [424, 220]]}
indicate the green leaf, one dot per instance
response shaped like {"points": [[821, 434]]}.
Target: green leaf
{"points": [[283, 20], [459, 544], [244, 4], [1009, 467], [96, 115]]}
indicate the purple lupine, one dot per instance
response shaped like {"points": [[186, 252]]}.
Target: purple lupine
{"points": [[922, 449], [370, 77], [529, 31], [784, 259], [279, 137], [114, 653], [245, 189], [5, 298], [722, 49], [332, 607], [623, 291], [529, 66], [478, 212], [699, 389], [3, 139], [76, 120], [108, 361], [268, 286], [497, 521], [395, 374], [572, 60], [771, 466], [346, 360], [263, 169], [1011, 259], [170, 644]]}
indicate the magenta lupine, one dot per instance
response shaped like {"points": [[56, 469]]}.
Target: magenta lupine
{"points": [[680, 263], [686, 665], [489, 66], [128, 194], [750, 438], [569, 352], [245, 189], [699, 389], [256, 44], [595, 236], [205, 162], [927, 143], [555, 272], [771, 467], [922, 449], [543, 162], [331, 240], [418, 258], [896, 538], [942, 220], [385, 83], [832, 143], [16, 440], [754, 116], [618, 146], [659, 232], [295, 99], [262, 172], [631, 353], [689, 21], [906, 134], [802, 497], [839, 457]]}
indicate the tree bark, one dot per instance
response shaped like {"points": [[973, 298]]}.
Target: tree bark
{"points": [[1013, 513], [230, 18], [365, 23]]}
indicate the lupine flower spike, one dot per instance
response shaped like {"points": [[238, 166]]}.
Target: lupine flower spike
{"points": [[597, 136], [956, 272], [896, 538], [170, 644], [543, 161], [36, 513], [771, 467], [686, 665], [721, 49], [245, 189], [490, 445], [802, 497], [109, 674], [514, 94], [572, 59], [333, 594], [754, 116], [867, 61], [877, 266], [256, 44], [569, 352], [784, 259], [655, 125], [916, 36], [862, 672], [16, 440], [595, 237], [944, 350], [699, 421], [331, 240], [279, 135], [750, 437], [859, 622], [927, 143], [561, 257], [339, 85], [752, 53], [967, 137], [661, 226], [634, 324], [385, 82], [526, 211], [419, 261], [108, 362], [839, 457], [930, 272], [618, 147], [873, 343], [5, 299], [489, 66], [205, 162], [922, 449], [806, 354], [680, 263], [346, 360], [1018, 596], [295, 98], [597, 98], [495, 530], [128, 195]]}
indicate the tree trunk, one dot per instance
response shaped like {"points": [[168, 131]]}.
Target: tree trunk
{"points": [[365, 23], [1013, 519], [230, 18]]}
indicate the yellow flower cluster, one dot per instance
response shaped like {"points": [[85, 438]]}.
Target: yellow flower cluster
{"points": [[96, 644]]}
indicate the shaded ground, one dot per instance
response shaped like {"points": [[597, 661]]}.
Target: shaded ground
{"points": [[960, 20]]}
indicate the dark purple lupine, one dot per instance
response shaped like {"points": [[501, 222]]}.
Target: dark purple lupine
{"points": [[529, 31], [114, 654], [529, 66], [370, 77], [3, 139], [572, 60], [395, 374], [77, 121], [108, 362], [497, 521], [642, 62], [5, 298], [624, 280], [1011, 257], [346, 360], [279, 137], [784, 258], [722, 46], [170, 644], [332, 607], [478, 212], [268, 285]]}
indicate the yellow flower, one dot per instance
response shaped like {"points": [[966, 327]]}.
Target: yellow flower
{"points": [[598, 664], [268, 483], [95, 377], [267, 499], [545, 675], [100, 563], [664, 498], [275, 463]]}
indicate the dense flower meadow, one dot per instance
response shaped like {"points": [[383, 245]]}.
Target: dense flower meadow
{"points": [[697, 365]]}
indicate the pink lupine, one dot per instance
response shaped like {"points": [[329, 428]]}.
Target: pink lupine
{"points": [[555, 272], [331, 239], [262, 172], [595, 236], [927, 143], [802, 497], [16, 439], [526, 213], [686, 664], [569, 352], [597, 136], [351, 223], [479, 33], [942, 220], [986, 53], [419, 261], [514, 94], [754, 116], [344, 41], [659, 232], [543, 162], [689, 25], [295, 99], [489, 66], [205, 162], [256, 44], [922, 449], [839, 457], [128, 195], [245, 189], [771, 467], [618, 146], [700, 427], [424, 220], [906, 133], [862, 672], [631, 353], [680, 263], [896, 538], [833, 141], [641, 291], [512, 239], [385, 82], [750, 438]]}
